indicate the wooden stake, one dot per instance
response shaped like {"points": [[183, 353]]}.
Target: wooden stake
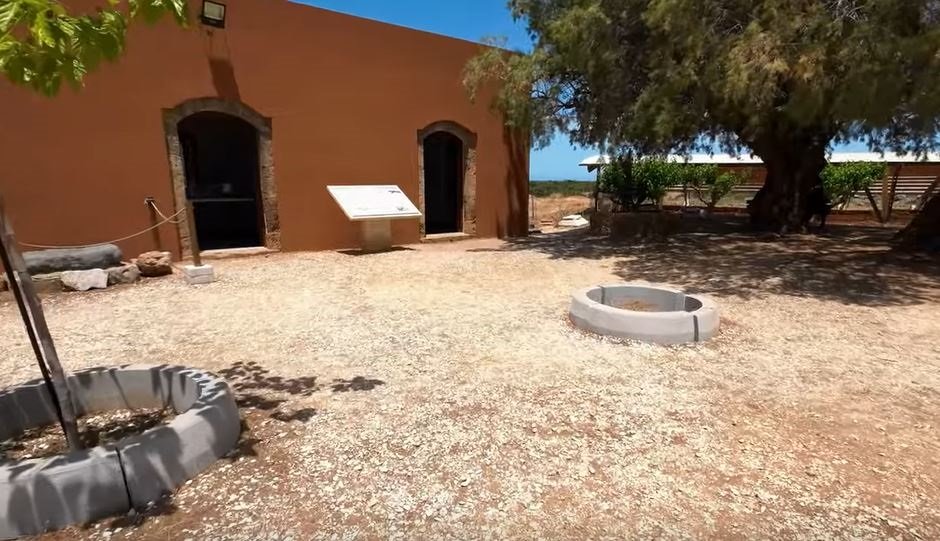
{"points": [[21, 283], [926, 195], [874, 205], [888, 206]]}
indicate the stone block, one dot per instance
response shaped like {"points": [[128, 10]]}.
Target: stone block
{"points": [[41, 495], [63, 259], [48, 283], [203, 274], [46, 494], [83, 280], [124, 274], [643, 225]]}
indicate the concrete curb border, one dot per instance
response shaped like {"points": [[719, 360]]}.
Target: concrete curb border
{"points": [[41, 495], [682, 318]]}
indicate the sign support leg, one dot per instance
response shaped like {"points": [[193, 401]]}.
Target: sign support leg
{"points": [[376, 236]]}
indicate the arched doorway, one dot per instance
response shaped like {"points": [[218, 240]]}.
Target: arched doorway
{"points": [[447, 179], [443, 183], [220, 157]]}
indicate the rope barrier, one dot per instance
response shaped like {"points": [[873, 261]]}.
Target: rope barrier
{"points": [[151, 228], [165, 219]]}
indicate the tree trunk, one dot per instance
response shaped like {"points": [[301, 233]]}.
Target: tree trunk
{"points": [[793, 171], [923, 233]]}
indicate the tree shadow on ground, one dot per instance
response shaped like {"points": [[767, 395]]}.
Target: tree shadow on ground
{"points": [[255, 387], [847, 264], [355, 384]]}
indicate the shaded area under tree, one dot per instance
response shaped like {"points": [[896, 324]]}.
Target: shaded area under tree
{"points": [[852, 265]]}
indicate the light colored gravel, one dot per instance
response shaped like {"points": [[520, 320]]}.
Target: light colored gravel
{"points": [[441, 392]]}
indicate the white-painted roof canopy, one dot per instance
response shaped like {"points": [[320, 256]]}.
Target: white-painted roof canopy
{"points": [[745, 159]]}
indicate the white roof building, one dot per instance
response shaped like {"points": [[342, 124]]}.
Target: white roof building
{"points": [[593, 162]]}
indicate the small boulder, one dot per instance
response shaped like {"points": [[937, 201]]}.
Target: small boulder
{"points": [[3, 283], [83, 280], [154, 264], [125, 274]]}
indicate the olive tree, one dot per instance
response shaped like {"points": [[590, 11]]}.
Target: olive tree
{"points": [[784, 79]]}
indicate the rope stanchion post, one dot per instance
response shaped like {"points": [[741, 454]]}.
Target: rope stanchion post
{"points": [[154, 223], [198, 272], [193, 239]]}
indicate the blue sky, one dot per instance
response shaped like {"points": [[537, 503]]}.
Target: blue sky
{"points": [[474, 20]]}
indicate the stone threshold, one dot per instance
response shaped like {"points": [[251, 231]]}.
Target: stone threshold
{"points": [[446, 237], [236, 252]]}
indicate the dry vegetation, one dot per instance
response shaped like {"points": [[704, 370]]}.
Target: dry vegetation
{"points": [[554, 208], [94, 429], [441, 393]]}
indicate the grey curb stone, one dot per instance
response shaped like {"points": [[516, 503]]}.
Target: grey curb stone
{"points": [[679, 317], [40, 495]]}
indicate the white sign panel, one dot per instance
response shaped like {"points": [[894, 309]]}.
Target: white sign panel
{"points": [[373, 202]]}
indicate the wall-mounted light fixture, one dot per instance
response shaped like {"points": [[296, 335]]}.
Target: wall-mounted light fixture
{"points": [[213, 13]]}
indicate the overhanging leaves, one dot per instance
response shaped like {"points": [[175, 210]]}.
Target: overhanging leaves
{"points": [[42, 45]]}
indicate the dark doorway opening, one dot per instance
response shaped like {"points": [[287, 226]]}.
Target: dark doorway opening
{"points": [[443, 183], [220, 154]]}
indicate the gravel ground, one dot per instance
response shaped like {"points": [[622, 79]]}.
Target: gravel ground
{"points": [[440, 392]]}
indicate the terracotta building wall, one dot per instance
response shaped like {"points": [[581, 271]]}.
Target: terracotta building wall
{"points": [[346, 98]]}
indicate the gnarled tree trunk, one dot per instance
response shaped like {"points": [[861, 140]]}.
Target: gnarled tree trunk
{"points": [[793, 171], [923, 233]]}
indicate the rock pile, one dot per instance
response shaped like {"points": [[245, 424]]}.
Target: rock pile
{"points": [[90, 268]]}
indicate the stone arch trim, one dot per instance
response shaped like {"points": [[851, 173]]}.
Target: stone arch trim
{"points": [[268, 186], [469, 140]]}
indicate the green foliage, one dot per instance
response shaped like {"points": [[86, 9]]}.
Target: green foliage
{"points": [[546, 188], [658, 76], [710, 185], [42, 44], [656, 176], [630, 182], [842, 180], [617, 180]]}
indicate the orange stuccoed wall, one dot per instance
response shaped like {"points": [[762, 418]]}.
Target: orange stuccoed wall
{"points": [[346, 98]]}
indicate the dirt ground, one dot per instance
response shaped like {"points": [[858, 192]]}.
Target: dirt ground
{"points": [[440, 392], [556, 207]]}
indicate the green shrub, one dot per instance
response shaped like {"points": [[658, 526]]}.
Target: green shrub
{"points": [[657, 176], [617, 180], [841, 180], [709, 185], [630, 183]]}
